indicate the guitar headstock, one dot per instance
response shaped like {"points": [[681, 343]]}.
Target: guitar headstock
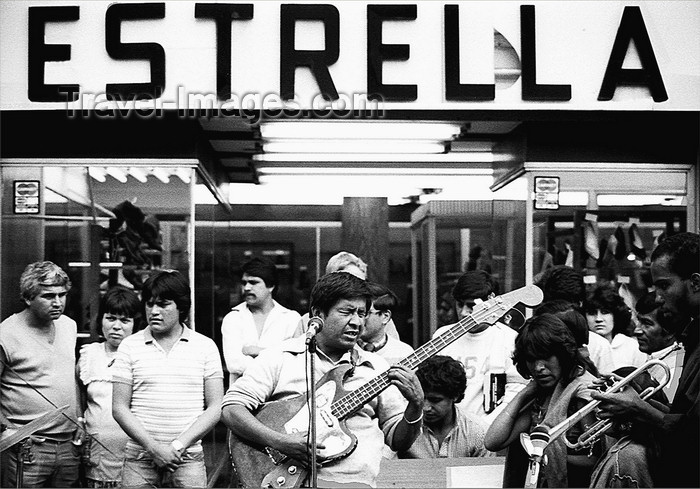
{"points": [[492, 310]]}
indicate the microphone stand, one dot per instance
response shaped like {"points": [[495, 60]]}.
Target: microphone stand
{"points": [[312, 407]]}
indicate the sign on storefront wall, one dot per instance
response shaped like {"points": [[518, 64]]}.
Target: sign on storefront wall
{"points": [[27, 196], [352, 55], [547, 193]]}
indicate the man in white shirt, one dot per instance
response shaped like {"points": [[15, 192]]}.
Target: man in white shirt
{"points": [[657, 341], [257, 323], [485, 351]]}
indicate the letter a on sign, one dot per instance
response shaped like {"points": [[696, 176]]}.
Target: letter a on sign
{"points": [[632, 28]]}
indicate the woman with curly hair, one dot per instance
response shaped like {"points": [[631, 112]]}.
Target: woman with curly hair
{"points": [[608, 315], [546, 352]]}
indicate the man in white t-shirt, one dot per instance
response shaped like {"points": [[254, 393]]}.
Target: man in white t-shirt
{"points": [[257, 323], [485, 351]]}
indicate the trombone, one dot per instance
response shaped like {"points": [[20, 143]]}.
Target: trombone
{"points": [[535, 443]]}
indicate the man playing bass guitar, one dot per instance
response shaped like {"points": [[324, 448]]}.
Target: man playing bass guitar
{"points": [[394, 416]]}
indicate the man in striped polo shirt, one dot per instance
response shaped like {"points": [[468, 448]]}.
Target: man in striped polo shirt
{"points": [[167, 390]]}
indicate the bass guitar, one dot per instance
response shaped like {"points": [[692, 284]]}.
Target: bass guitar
{"points": [[260, 466]]}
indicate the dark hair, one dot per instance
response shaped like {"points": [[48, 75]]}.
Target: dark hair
{"points": [[544, 336], [121, 301], [603, 298], [683, 251], [570, 314], [562, 282], [336, 286], [169, 285], [647, 303], [444, 375], [476, 284], [383, 298], [263, 268]]}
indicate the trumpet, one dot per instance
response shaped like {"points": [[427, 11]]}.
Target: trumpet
{"points": [[541, 436]]}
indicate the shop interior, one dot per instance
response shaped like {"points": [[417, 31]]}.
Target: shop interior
{"points": [[116, 218]]}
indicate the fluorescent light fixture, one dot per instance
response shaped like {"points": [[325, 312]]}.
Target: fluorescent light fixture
{"points": [[116, 173], [638, 200], [99, 174], [370, 146], [297, 170], [102, 264], [385, 157], [139, 174], [573, 198], [406, 130]]}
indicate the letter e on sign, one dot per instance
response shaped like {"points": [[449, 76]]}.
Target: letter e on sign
{"points": [[547, 193]]}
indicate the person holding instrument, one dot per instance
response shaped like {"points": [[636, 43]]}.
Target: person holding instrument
{"points": [[633, 459], [546, 352], [393, 416], [675, 271]]}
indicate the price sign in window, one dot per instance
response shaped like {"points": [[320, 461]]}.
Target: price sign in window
{"points": [[26, 196], [547, 193]]}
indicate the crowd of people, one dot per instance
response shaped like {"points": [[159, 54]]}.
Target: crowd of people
{"points": [[131, 409]]}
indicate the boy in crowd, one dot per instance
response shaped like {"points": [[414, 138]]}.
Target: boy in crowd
{"points": [[447, 430], [167, 390]]}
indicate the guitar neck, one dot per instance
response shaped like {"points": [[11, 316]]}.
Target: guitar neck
{"points": [[354, 400]]}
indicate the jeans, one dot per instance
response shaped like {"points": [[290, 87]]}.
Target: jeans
{"points": [[47, 463], [140, 470]]}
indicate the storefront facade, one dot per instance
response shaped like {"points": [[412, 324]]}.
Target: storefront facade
{"points": [[137, 102]]}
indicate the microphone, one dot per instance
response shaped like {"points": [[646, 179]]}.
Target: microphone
{"points": [[315, 325]]}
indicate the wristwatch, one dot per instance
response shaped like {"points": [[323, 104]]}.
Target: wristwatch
{"points": [[177, 445]]}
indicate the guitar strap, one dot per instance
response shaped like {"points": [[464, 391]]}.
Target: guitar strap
{"points": [[354, 358]]}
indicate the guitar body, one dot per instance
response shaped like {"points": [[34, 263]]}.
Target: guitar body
{"points": [[259, 466], [253, 462]]}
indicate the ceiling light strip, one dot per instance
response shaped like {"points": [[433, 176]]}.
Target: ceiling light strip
{"points": [[359, 130], [377, 157], [347, 146], [292, 170]]}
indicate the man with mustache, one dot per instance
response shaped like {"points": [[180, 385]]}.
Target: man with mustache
{"points": [[655, 337], [393, 416], [37, 375], [259, 321], [675, 270]]}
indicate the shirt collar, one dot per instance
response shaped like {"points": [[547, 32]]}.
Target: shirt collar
{"points": [[663, 352], [148, 336], [356, 356]]}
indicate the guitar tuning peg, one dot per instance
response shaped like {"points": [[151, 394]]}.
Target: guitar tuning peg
{"points": [[281, 481], [292, 469]]}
